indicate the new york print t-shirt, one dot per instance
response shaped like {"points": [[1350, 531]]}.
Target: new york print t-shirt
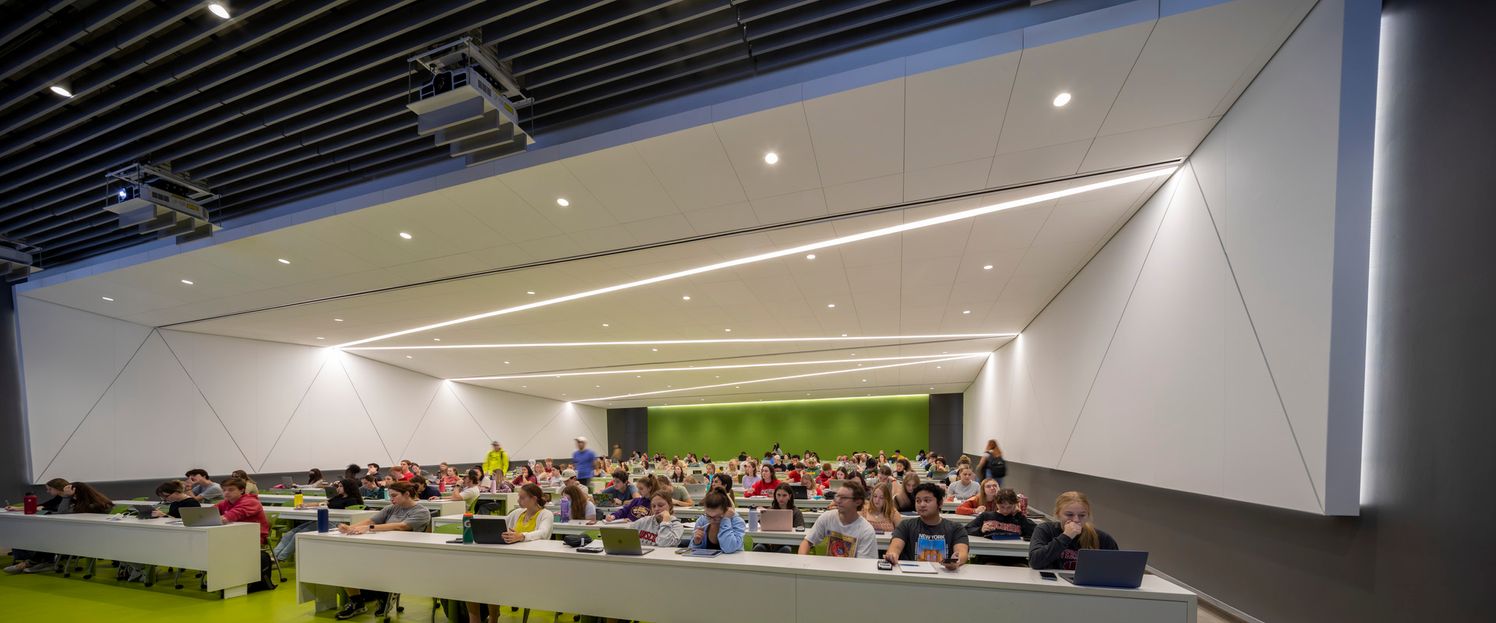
{"points": [[926, 542]]}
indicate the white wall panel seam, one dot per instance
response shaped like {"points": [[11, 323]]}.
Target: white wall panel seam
{"points": [[424, 412], [271, 450], [96, 401], [1173, 194], [204, 396], [1308, 473], [453, 388], [1118, 95]]}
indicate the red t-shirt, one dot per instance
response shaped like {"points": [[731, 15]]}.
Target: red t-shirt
{"points": [[762, 487]]}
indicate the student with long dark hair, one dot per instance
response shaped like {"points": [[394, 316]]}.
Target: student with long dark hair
{"points": [[784, 499]]}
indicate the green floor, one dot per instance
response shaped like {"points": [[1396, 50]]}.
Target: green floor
{"points": [[51, 597]]}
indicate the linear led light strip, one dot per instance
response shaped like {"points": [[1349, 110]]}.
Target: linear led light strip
{"points": [[697, 368], [875, 233], [783, 378], [742, 340]]}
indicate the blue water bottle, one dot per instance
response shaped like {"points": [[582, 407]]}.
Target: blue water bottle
{"points": [[322, 519], [565, 509]]}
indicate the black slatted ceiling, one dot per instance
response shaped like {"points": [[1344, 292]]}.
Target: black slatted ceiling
{"points": [[289, 99]]}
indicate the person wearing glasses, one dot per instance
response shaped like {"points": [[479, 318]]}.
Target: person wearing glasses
{"points": [[846, 533], [403, 513]]}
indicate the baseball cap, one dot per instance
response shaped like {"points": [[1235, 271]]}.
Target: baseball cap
{"points": [[568, 474], [582, 439]]}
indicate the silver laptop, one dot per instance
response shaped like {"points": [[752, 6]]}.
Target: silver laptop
{"points": [[696, 491], [834, 484], [623, 542], [781, 520], [200, 517]]}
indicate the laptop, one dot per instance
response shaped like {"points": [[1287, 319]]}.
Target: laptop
{"points": [[490, 530], [799, 492], [834, 484], [603, 499], [696, 491], [782, 520], [200, 517], [623, 542], [1114, 568], [287, 482], [330, 492]]}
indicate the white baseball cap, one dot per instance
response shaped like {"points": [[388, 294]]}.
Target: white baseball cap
{"points": [[582, 439]]}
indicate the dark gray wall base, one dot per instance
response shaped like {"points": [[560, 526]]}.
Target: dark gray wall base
{"points": [[946, 424], [629, 428]]}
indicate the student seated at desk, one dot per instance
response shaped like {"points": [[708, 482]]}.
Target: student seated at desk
{"points": [[784, 499], [1055, 544], [74, 497], [1003, 521], [635, 508], [250, 486], [619, 487], [848, 533], [467, 490], [660, 527], [582, 507], [723, 482], [983, 502], [525, 476], [403, 513], [203, 490], [765, 484], [677, 493], [54, 488], [530, 522], [929, 537], [347, 495], [428, 491], [371, 487], [719, 526], [965, 486], [880, 512], [314, 478], [174, 493], [240, 506], [903, 497], [449, 478]]}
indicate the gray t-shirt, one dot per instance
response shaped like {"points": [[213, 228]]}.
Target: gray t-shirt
{"points": [[416, 517], [965, 491], [209, 492], [926, 542]]}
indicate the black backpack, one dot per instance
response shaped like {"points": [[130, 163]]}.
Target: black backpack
{"points": [[267, 576]]}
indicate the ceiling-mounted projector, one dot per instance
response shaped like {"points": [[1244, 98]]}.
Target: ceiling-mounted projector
{"points": [[152, 199], [469, 102]]}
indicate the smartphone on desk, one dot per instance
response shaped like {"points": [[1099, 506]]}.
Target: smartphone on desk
{"points": [[1048, 575]]}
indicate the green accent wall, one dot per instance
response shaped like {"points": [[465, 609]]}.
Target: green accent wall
{"points": [[829, 427]]}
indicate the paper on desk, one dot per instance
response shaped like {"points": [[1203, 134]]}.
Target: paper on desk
{"points": [[917, 567]]}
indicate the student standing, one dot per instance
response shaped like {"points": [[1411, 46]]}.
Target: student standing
{"points": [[582, 460], [1055, 544], [929, 537], [992, 464], [497, 460], [847, 533]]}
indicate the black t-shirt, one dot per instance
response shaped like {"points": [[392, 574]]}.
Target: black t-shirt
{"points": [[1015, 525], [342, 501], [175, 510], [923, 541], [1049, 548]]}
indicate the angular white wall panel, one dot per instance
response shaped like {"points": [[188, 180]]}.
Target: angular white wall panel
{"points": [[393, 397], [152, 422], [253, 386], [446, 433], [330, 427], [71, 358]]}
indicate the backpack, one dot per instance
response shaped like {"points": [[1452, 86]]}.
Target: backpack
{"points": [[267, 577]]}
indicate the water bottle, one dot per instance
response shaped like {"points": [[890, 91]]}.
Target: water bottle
{"points": [[467, 527], [753, 519], [565, 509], [322, 519], [29, 503], [297, 499]]}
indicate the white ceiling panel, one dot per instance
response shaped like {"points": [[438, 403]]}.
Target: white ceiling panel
{"points": [[858, 134], [1091, 68], [693, 167], [622, 181], [954, 114], [1044, 163], [1148, 145], [784, 132], [863, 194]]}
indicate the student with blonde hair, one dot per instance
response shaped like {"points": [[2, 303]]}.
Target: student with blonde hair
{"points": [[1054, 544], [880, 511], [981, 502]]}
